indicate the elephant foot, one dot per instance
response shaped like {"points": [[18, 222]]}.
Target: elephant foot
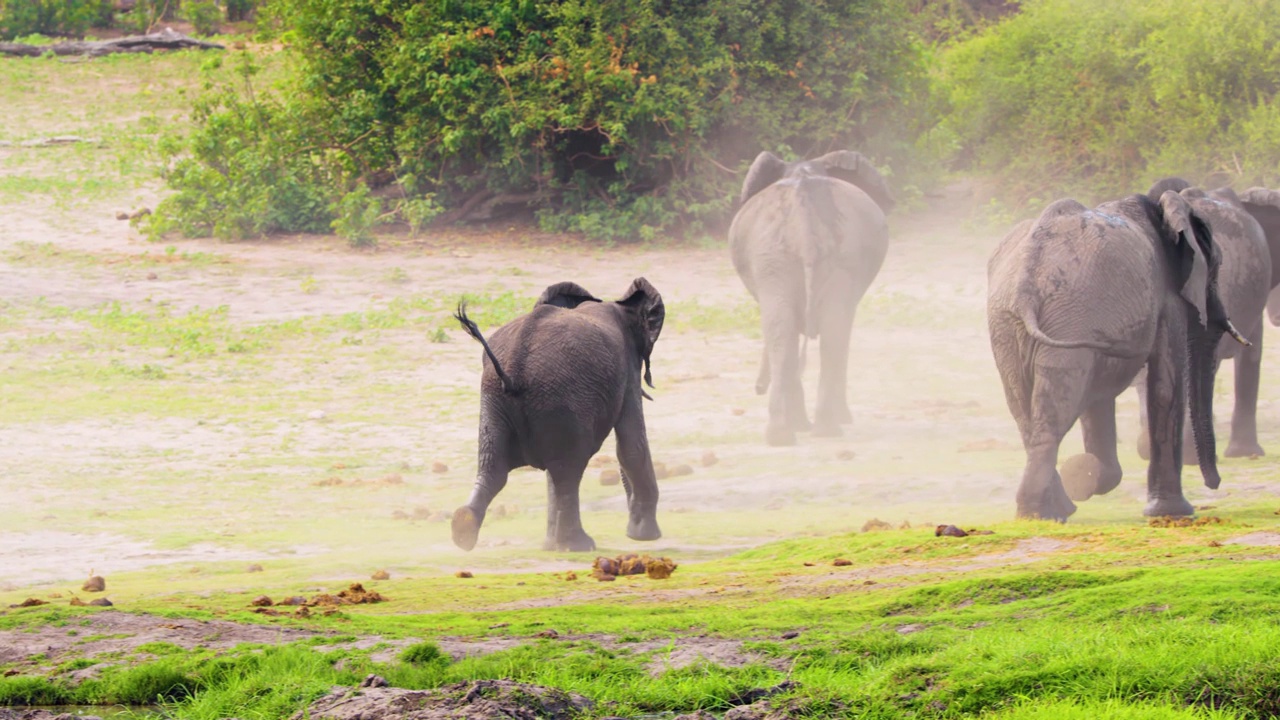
{"points": [[1144, 446], [827, 430], [1169, 507], [779, 435], [1249, 449], [577, 541], [1080, 474], [644, 530], [1052, 505], [834, 415], [466, 527]]}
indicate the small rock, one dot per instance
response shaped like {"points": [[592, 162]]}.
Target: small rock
{"points": [[95, 583], [293, 600], [790, 634], [152, 276], [30, 602], [571, 575], [610, 476], [548, 633], [709, 458], [463, 574], [261, 601], [808, 563], [495, 626], [738, 411], [101, 602], [381, 575], [373, 681], [846, 455], [254, 568], [841, 562], [681, 469], [949, 531], [122, 215], [438, 467]]}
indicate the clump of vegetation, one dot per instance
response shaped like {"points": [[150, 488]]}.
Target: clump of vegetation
{"points": [[617, 119], [424, 653], [51, 17], [1070, 95]]}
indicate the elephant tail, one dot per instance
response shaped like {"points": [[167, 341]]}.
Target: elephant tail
{"points": [[1029, 321], [508, 386]]}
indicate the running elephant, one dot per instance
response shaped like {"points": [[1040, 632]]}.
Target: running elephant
{"points": [[1079, 301], [807, 242], [1246, 228], [555, 383]]}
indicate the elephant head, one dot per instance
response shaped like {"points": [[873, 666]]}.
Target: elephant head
{"points": [[846, 165], [1194, 259], [646, 313]]}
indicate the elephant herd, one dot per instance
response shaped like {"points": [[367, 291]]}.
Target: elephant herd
{"points": [[1082, 303]]}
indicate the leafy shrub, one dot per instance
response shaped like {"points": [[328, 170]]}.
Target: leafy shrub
{"points": [[621, 119], [254, 165], [51, 17], [1071, 94], [205, 16]]}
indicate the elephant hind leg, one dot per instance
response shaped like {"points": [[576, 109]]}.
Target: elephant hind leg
{"points": [[564, 519], [835, 328], [1056, 397], [786, 395], [491, 477], [632, 444]]}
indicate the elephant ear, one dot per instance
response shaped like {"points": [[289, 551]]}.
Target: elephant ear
{"points": [[1163, 185], [1264, 205], [856, 169], [1194, 243], [647, 311], [566, 295], [765, 170]]}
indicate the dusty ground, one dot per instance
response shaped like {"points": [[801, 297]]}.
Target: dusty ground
{"points": [[197, 405], [931, 441]]}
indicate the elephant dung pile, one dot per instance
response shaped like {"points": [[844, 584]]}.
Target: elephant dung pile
{"points": [[607, 569]]}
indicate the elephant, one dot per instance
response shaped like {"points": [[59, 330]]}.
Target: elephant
{"points": [[1250, 269], [1078, 302], [807, 241], [555, 383]]}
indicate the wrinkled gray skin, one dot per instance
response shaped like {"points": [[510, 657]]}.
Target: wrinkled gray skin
{"points": [[807, 242], [1250, 269], [555, 383], [1078, 302]]}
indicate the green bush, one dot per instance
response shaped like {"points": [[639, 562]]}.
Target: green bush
{"points": [[205, 16], [51, 17], [622, 119], [1104, 95], [238, 10]]}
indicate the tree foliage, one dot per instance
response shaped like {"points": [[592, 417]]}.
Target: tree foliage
{"points": [[51, 17], [1105, 95], [621, 118]]}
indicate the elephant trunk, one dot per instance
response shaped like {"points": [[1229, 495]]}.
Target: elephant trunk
{"points": [[1202, 344]]}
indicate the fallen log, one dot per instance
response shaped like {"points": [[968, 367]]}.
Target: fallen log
{"points": [[167, 39]]}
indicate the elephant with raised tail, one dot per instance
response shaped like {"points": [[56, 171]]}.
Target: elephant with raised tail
{"points": [[807, 242], [1246, 228], [556, 382], [1079, 301]]}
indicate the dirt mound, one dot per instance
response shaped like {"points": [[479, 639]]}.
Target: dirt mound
{"points": [[460, 701]]}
